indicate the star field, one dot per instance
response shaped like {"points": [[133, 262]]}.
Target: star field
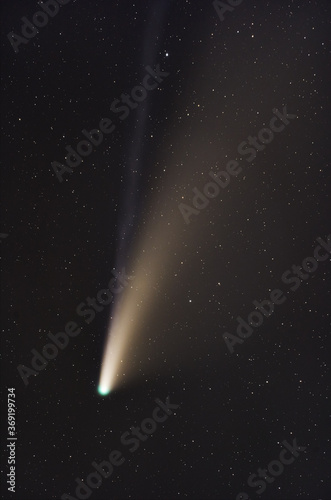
{"points": [[119, 208]]}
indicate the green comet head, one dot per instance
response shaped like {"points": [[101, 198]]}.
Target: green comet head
{"points": [[103, 391]]}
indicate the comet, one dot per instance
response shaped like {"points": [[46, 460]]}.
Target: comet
{"points": [[124, 327], [131, 307]]}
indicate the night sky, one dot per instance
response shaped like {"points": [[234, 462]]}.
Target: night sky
{"points": [[221, 290]]}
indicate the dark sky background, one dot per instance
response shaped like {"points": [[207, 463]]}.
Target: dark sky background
{"points": [[61, 241]]}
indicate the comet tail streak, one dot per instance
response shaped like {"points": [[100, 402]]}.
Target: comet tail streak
{"points": [[126, 320]]}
